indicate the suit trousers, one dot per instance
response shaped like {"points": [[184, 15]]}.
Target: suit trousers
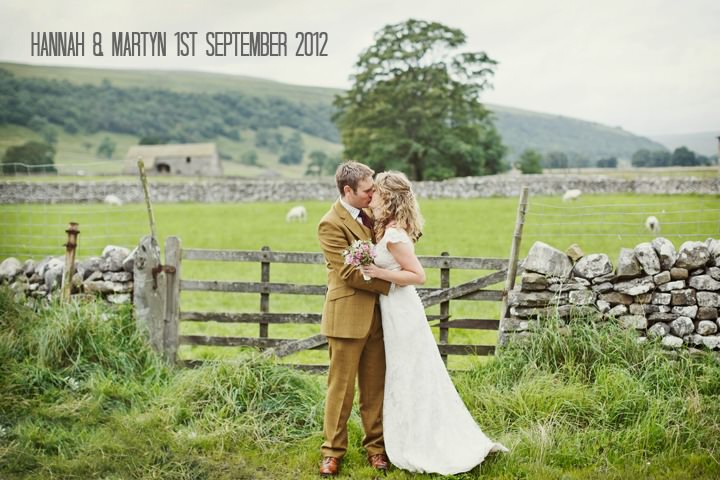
{"points": [[364, 359]]}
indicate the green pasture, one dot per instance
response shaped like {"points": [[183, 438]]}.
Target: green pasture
{"points": [[476, 227]]}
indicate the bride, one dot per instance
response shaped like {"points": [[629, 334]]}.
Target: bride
{"points": [[427, 426]]}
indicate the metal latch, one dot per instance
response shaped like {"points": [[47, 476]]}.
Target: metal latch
{"points": [[158, 269]]}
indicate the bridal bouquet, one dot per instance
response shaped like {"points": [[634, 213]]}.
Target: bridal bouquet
{"points": [[359, 253]]}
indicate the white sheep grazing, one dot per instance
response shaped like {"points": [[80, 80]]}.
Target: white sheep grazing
{"points": [[112, 200], [296, 214], [573, 194], [652, 224]]}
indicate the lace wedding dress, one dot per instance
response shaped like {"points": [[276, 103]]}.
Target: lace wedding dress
{"points": [[426, 425]]}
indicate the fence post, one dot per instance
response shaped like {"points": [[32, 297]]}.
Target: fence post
{"points": [[512, 265], [173, 256], [264, 297], [143, 180], [444, 307], [72, 232], [150, 291]]}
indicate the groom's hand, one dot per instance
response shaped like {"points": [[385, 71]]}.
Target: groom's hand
{"points": [[333, 242], [372, 271]]}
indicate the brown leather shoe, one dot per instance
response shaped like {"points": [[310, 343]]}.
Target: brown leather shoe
{"points": [[330, 466], [379, 461]]}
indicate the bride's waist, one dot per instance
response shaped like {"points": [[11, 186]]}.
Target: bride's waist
{"points": [[402, 288]]}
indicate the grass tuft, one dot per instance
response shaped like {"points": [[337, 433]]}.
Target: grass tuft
{"points": [[83, 396]]}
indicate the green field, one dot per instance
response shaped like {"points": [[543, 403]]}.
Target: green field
{"points": [[478, 227]]}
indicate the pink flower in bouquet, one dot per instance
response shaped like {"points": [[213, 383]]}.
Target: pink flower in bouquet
{"points": [[359, 253]]}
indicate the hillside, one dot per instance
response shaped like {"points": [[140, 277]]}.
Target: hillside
{"points": [[185, 106], [521, 129], [704, 143], [176, 80]]}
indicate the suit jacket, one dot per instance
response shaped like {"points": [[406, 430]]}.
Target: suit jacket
{"points": [[350, 300]]}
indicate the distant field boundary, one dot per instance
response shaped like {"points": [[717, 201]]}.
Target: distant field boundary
{"points": [[237, 190]]}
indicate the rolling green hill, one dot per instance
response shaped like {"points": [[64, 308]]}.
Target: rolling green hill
{"points": [[125, 105], [704, 143], [184, 81], [544, 132]]}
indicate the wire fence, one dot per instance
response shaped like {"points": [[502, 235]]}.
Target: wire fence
{"points": [[602, 227], [36, 227], [23, 171]]}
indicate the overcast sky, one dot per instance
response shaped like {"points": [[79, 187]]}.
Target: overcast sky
{"points": [[649, 66]]}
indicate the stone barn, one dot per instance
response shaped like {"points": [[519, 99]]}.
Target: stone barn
{"points": [[195, 159]]}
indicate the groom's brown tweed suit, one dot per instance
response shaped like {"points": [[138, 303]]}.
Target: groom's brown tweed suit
{"points": [[351, 321]]}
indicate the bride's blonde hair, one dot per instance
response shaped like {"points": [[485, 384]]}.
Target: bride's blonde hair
{"points": [[397, 203]]}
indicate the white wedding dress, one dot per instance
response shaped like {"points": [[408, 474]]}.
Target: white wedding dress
{"points": [[426, 424]]}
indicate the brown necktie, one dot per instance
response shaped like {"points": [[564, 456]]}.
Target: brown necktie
{"points": [[367, 221]]}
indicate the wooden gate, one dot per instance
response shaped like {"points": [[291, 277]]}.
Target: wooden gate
{"points": [[175, 255]]}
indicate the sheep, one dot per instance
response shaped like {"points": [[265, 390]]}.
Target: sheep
{"points": [[573, 194], [112, 200], [296, 214], [652, 224]]}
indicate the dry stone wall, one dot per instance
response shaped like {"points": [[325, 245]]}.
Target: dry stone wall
{"points": [[241, 190], [660, 291], [109, 275]]}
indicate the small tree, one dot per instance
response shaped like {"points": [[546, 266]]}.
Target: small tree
{"points": [[47, 130], [317, 163], [610, 162], [273, 140], [332, 163], [32, 157], [531, 161], [556, 160], [642, 158], [660, 158], [153, 140], [249, 158], [106, 148], [293, 150], [684, 157]]}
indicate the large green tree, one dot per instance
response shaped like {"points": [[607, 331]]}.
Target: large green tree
{"points": [[414, 105]]}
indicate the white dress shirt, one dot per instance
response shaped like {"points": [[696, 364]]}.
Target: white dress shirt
{"points": [[354, 212]]}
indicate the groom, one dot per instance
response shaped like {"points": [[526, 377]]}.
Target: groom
{"points": [[351, 323]]}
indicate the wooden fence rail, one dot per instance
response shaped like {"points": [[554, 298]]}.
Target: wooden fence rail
{"points": [[474, 290]]}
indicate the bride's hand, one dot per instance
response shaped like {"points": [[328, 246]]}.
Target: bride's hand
{"points": [[372, 270]]}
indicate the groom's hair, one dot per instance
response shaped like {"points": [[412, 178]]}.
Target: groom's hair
{"points": [[350, 173]]}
